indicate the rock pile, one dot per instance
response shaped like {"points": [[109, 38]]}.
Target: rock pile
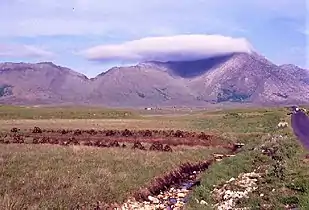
{"points": [[174, 198], [235, 189]]}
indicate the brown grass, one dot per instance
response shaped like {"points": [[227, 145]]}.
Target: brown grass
{"points": [[55, 177]]}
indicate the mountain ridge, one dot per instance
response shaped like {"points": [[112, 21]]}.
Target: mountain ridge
{"points": [[236, 78]]}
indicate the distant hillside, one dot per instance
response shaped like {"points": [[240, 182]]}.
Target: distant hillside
{"points": [[235, 78]]}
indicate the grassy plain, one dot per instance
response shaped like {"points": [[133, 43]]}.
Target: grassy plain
{"points": [[53, 177], [57, 177]]}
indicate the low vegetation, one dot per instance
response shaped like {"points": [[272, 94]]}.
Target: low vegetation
{"points": [[26, 112], [283, 185], [37, 176], [55, 177]]}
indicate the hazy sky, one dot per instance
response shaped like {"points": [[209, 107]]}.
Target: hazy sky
{"points": [[92, 35]]}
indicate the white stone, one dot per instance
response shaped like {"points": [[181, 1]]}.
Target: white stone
{"points": [[181, 195], [203, 202], [153, 199]]}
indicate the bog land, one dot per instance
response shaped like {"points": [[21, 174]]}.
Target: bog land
{"points": [[82, 158]]}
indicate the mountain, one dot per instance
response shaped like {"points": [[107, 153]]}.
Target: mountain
{"points": [[234, 78], [41, 83]]}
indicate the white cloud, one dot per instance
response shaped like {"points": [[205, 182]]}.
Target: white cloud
{"points": [[23, 51], [169, 48], [86, 23]]}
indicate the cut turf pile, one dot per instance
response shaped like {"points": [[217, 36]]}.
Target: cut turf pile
{"points": [[111, 138]]}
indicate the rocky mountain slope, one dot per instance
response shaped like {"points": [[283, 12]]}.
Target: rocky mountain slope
{"points": [[237, 78], [41, 83]]}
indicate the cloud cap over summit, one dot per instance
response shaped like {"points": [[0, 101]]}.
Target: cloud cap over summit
{"points": [[169, 48]]}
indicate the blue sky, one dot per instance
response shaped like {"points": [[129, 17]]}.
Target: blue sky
{"points": [[62, 31]]}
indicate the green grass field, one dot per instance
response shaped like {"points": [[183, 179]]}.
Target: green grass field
{"points": [[54, 177]]}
